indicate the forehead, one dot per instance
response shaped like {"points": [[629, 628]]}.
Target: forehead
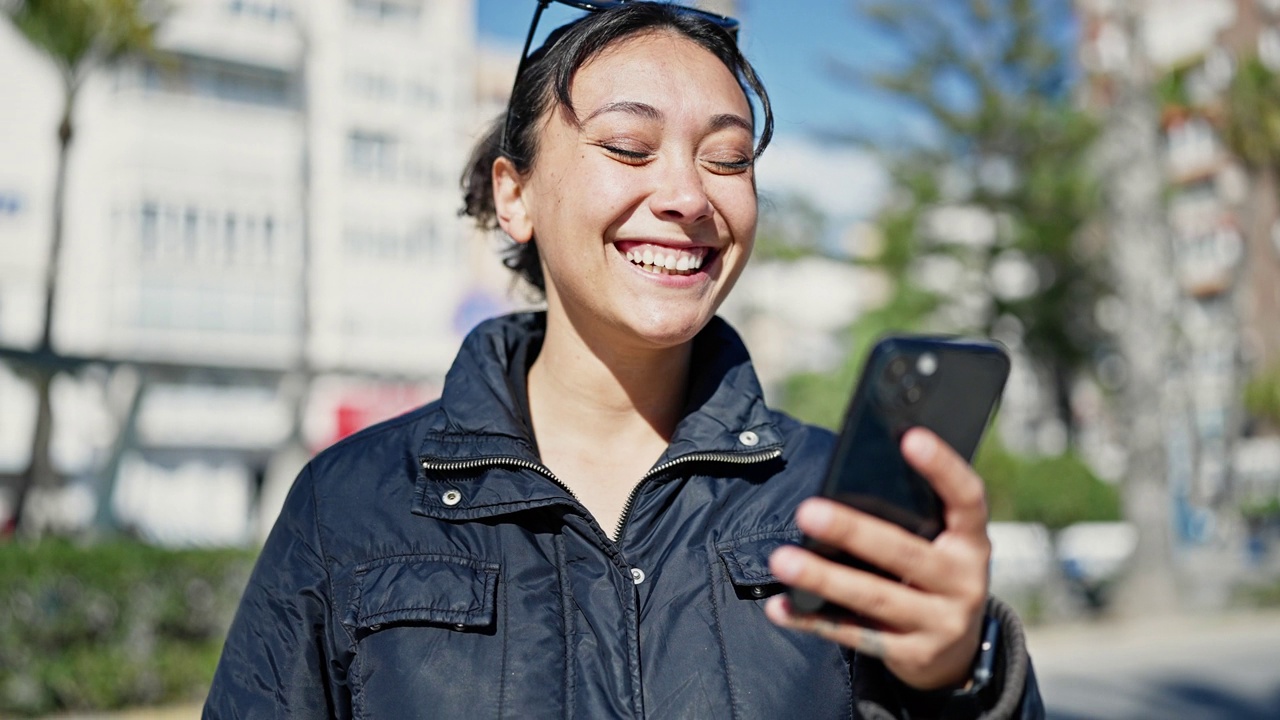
{"points": [[658, 67]]}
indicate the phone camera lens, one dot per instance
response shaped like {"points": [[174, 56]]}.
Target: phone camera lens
{"points": [[897, 367], [913, 394], [927, 364]]}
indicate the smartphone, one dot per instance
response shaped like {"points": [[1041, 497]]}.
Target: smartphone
{"points": [[949, 385]]}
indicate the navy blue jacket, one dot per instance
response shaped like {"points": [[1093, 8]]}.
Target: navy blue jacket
{"points": [[432, 567]]}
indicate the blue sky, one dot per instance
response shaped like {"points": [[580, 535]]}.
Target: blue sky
{"points": [[788, 41]]}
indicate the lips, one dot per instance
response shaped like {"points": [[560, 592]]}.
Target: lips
{"points": [[666, 259]]}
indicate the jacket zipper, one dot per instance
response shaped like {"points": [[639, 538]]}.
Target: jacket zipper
{"points": [[498, 460], [763, 455], [758, 456]]}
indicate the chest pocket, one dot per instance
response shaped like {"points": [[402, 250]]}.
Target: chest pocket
{"points": [[428, 636], [772, 672], [426, 589], [747, 563]]}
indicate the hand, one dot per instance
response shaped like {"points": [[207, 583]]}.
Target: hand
{"points": [[927, 626]]}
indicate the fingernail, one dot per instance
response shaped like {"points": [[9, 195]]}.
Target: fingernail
{"points": [[920, 445], [815, 514], [785, 563]]}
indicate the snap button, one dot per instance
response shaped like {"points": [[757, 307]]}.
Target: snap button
{"points": [[757, 591], [749, 438], [459, 627], [451, 497], [375, 627], [637, 575]]}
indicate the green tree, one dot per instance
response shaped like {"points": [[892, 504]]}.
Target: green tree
{"points": [[77, 36], [994, 197]]}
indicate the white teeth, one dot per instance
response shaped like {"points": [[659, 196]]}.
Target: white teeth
{"points": [[670, 262]]}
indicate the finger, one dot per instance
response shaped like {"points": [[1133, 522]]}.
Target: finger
{"points": [[868, 641], [957, 485], [871, 596], [872, 539]]}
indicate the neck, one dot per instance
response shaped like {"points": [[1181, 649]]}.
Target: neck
{"points": [[598, 389]]}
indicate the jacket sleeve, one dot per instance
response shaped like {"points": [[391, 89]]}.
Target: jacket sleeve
{"points": [[273, 664], [1012, 693]]}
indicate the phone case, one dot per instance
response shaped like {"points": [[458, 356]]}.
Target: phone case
{"points": [[949, 385]]}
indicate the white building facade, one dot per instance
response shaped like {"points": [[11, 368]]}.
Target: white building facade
{"points": [[277, 184]]}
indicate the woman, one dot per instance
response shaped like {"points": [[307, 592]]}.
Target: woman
{"points": [[596, 518]]}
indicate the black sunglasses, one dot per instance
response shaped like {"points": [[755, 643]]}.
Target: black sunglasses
{"points": [[728, 24]]}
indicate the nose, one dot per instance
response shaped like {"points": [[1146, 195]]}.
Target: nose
{"points": [[681, 195]]}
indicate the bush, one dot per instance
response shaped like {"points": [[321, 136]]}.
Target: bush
{"points": [[1054, 490], [112, 625]]}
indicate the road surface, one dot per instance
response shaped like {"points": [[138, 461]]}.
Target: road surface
{"points": [[1209, 667]]}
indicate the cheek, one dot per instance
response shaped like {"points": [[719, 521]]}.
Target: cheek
{"points": [[740, 211]]}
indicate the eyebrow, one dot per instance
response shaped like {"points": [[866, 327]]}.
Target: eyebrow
{"points": [[649, 112]]}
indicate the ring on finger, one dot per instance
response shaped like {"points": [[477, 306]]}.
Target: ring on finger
{"points": [[871, 643]]}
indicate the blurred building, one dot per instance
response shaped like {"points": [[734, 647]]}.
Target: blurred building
{"points": [[1225, 224], [274, 190]]}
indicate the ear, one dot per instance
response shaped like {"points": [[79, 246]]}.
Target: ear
{"points": [[508, 201]]}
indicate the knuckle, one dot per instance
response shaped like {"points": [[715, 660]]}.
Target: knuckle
{"points": [[874, 603], [972, 495], [914, 556]]}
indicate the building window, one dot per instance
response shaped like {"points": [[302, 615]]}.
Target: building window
{"points": [[149, 231], [191, 235], [269, 10], [221, 80], [386, 11], [372, 152]]}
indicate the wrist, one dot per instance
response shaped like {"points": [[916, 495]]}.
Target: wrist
{"points": [[984, 663]]}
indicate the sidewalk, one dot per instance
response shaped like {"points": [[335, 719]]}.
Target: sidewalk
{"points": [[1208, 667], [1068, 646]]}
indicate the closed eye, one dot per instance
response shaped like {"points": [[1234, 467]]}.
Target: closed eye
{"points": [[732, 166], [630, 156]]}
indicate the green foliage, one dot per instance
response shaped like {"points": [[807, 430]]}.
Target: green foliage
{"points": [[1056, 491], [1007, 144], [112, 625], [1261, 511], [1262, 396], [78, 34], [1171, 88], [1252, 122]]}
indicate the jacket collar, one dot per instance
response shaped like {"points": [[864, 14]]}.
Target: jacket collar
{"points": [[479, 416]]}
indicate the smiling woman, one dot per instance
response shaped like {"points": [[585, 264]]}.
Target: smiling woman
{"points": [[591, 520]]}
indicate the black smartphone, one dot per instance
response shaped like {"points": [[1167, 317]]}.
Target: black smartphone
{"points": [[946, 384]]}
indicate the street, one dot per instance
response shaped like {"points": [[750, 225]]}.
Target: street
{"points": [[1186, 667]]}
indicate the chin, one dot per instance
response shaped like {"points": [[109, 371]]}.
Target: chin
{"points": [[667, 327]]}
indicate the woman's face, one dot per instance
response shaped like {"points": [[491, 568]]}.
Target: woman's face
{"points": [[645, 209]]}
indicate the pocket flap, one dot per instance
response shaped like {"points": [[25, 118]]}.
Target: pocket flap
{"points": [[438, 589], [747, 558]]}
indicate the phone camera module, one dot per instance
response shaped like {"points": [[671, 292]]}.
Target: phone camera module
{"points": [[927, 364], [897, 367]]}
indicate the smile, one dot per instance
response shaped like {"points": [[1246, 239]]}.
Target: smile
{"points": [[666, 260]]}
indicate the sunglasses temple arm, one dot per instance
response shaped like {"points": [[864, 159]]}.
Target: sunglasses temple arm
{"points": [[524, 57], [528, 40]]}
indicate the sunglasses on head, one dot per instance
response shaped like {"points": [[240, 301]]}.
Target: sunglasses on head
{"points": [[728, 24]]}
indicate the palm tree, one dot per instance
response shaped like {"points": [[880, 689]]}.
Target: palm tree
{"points": [[77, 36]]}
